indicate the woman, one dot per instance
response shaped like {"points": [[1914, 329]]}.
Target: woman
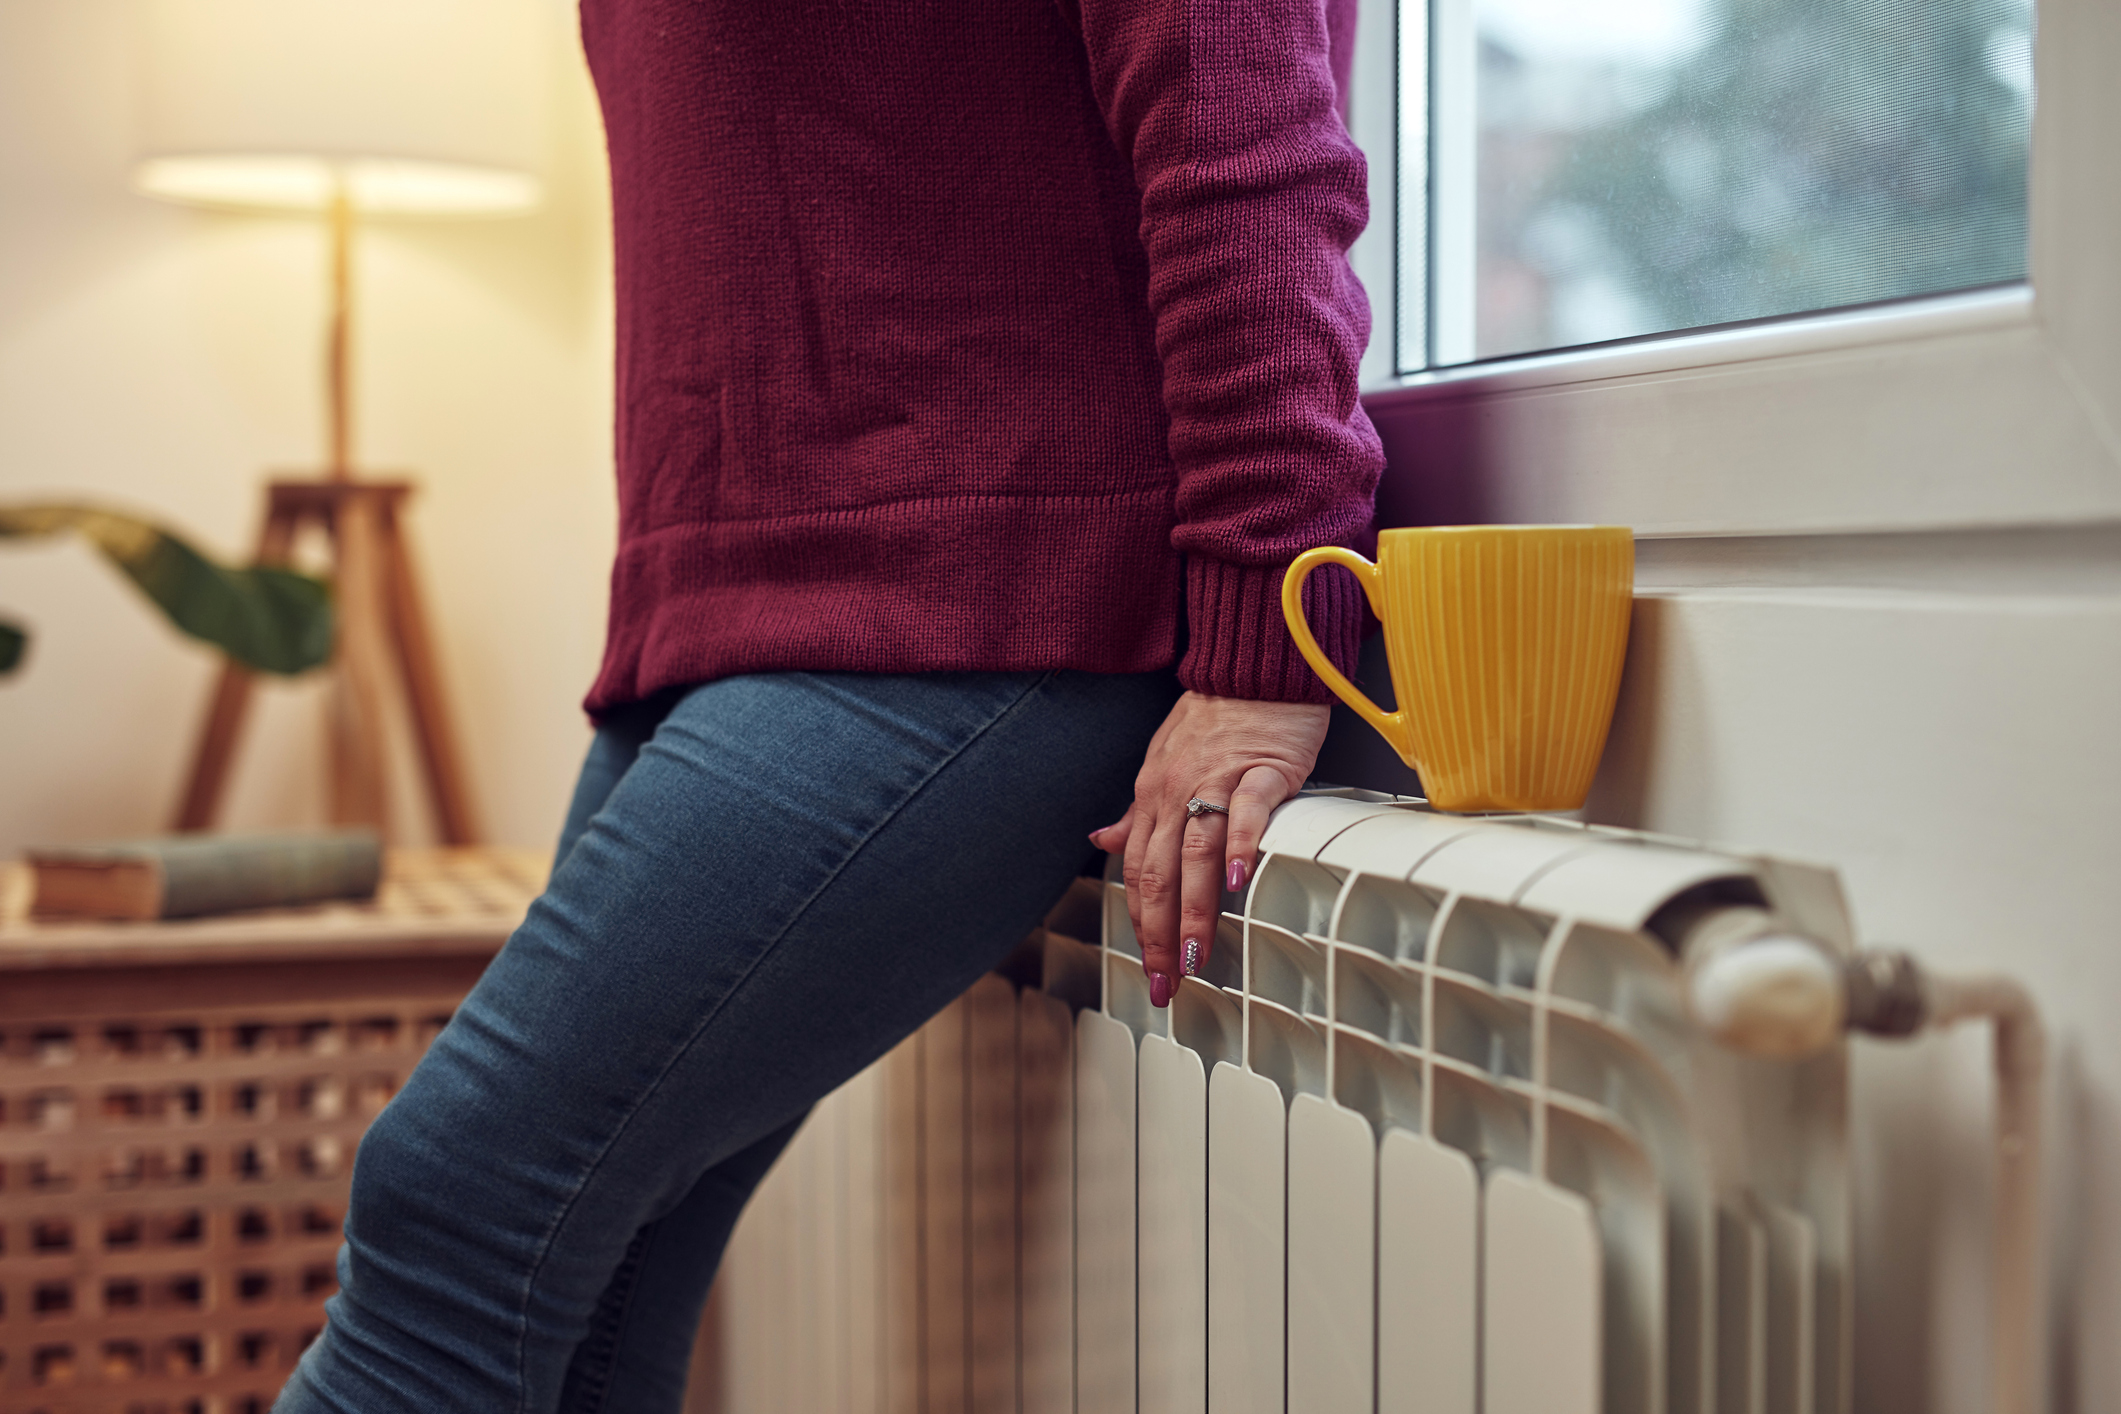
{"points": [[977, 363]]}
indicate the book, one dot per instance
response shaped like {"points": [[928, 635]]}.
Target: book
{"points": [[185, 876]]}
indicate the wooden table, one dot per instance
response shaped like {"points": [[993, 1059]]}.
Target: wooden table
{"points": [[179, 1106]]}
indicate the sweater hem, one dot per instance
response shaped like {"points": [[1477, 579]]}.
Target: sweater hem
{"points": [[1088, 583]]}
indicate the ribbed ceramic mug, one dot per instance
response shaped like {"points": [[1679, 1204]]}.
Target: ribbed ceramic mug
{"points": [[1505, 643]]}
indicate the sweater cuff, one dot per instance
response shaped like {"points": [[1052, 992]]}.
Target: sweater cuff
{"points": [[1240, 646]]}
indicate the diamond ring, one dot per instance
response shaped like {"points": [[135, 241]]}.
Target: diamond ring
{"points": [[1196, 807]]}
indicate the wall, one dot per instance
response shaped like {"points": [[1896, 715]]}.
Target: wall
{"points": [[167, 359]]}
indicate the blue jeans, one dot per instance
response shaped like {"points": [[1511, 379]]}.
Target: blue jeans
{"points": [[763, 886]]}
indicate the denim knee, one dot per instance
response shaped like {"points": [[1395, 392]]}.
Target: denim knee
{"points": [[420, 1320], [390, 1165], [415, 1225], [421, 1247]]}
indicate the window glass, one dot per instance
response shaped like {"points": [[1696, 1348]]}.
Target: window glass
{"points": [[1628, 167]]}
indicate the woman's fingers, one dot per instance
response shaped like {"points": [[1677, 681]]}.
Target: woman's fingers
{"points": [[1133, 853], [1201, 889], [1257, 794], [1251, 754], [1156, 881]]}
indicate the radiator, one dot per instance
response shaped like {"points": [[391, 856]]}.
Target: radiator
{"points": [[1432, 1133]]}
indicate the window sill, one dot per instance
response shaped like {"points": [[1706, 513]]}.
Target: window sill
{"points": [[1938, 316]]}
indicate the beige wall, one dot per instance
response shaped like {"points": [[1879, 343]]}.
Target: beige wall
{"points": [[165, 359]]}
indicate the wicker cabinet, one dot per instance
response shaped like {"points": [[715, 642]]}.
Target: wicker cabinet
{"points": [[179, 1109]]}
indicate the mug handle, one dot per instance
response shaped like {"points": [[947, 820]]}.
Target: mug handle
{"points": [[1392, 726]]}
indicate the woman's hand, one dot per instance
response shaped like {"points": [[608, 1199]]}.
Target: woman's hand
{"points": [[1248, 756]]}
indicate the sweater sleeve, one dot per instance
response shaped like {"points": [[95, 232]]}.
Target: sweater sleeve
{"points": [[1251, 194]]}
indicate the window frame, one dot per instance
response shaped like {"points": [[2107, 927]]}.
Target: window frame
{"points": [[1995, 407]]}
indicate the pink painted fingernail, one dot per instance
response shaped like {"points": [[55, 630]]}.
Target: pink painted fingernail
{"points": [[1191, 963], [1159, 989], [1237, 876]]}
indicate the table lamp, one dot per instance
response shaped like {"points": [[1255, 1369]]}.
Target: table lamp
{"points": [[350, 110]]}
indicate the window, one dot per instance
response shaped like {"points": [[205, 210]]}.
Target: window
{"points": [[1910, 392], [1571, 174]]}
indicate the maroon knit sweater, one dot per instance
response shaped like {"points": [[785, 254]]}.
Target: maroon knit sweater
{"points": [[981, 334]]}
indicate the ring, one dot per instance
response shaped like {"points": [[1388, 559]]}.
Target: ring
{"points": [[1196, 807]]}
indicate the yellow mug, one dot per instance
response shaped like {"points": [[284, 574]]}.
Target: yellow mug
{"points": [[1505, 643]]}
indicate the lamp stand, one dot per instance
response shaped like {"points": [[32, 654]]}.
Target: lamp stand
{"points": [[377, 612]]}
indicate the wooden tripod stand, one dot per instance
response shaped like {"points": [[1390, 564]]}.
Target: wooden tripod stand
{"points": [[377, 617]]}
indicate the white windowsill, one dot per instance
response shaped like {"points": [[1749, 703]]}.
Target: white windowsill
{"points": [[1939, 316]]}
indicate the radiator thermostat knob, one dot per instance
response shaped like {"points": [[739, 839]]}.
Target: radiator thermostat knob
{"points": [[1779, 996]]}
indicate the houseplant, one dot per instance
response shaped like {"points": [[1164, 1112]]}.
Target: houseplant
{"points": [[269, 619]]}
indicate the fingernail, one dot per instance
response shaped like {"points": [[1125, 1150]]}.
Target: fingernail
{"points": [[1191, 965], [1094, 834], [1237, 876], [1159, 989]]}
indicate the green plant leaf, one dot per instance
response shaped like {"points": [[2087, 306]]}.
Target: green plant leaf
{"points": [[273, 620], [13, 639]]}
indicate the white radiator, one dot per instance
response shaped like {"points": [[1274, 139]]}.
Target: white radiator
{"points": [[1432, 1134]]}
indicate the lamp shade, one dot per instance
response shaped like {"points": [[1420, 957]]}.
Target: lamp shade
{"points": [[418, 107]]}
